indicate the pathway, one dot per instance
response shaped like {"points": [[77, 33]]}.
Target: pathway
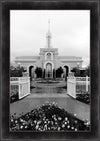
{"points": [[81, 110]]}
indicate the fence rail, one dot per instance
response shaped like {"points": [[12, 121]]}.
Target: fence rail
{"points": [[21, 85], [78, 85]]}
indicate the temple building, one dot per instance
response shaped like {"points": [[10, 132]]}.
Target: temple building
{"points": [[49, 59]]}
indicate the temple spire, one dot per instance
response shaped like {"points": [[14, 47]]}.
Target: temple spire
{"points": [[48, 36], [48, 25]]}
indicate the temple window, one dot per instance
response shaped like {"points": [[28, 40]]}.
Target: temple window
{"points": [[48, 55]]}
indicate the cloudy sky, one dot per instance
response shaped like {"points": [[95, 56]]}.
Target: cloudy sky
{"points": [[70, 32]]}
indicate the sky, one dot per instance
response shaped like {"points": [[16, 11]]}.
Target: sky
{"points": [[70, 31]]}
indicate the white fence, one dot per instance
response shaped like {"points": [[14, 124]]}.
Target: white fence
{"points": [[21, 85], [78, 85]]}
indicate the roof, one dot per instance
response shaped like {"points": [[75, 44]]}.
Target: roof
{"points": [[27, 57], [69, 57]]}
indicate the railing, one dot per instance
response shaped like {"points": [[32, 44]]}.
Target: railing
{"points": [[78, 85], [21, 85], [14, 78]]}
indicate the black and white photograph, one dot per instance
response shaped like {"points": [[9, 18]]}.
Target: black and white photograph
{"points": [[50, 71]]}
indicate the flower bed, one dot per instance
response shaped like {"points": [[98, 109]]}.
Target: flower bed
{"points": [[13, 96], [48, 117], [85, 98]]}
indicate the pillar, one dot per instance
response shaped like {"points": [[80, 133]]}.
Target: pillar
{"points": [[86, 83], [28, 69], [64, 69], [69, 69]]}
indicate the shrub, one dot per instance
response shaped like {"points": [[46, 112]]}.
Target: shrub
{"points": [[13, 96], [48, 117], [85, 98]]}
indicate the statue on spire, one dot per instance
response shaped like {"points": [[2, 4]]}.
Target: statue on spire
{"points": [[48, 36]]}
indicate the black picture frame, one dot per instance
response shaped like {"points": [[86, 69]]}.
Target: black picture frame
{"points": [[5, 7]]}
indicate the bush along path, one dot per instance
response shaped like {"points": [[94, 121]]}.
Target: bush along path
{"points": [[85, 98], [14, 96], [48, 117]]}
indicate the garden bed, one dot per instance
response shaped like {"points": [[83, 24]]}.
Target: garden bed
{"points": [[48, 117], [85, 98]]}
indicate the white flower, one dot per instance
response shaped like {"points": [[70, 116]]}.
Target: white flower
{"points": [[23, 123], [35, 121], [59, 118], [21, 127], [75, 129], [52, 122], [65, 123], [48, 128], [48, 121], [72, 127], [45, 126], [54, 103], [56, 123], [68, 126], [66, 118], [21, 120], [45, 122], [25, 126], [37, 126], [75, 114], [39, 129], [58, 128], [38, 122], [87, 123], [63, 126], [55, 119], [12, 120]]}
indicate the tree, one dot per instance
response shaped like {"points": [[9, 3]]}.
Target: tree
{"points": [[87, 71], [59, 71], [54, 73], [44, 73], [38, 72], [76, 71], [16, 71], [81, 73]]}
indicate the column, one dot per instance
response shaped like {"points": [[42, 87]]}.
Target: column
{"points": [[69, 69], [28, 69], [86, 83]]}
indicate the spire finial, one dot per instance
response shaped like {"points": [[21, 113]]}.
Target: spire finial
{"points": [[49, 25]]}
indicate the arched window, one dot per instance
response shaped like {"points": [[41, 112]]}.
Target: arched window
{"points": [[48, 55]]}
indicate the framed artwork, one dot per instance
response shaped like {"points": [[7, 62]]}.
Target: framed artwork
{"points": [[50, 70]]}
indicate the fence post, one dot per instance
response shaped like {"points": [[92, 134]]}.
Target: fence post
{"points": [[86, 83], [29, 85], [74, 87], [67, 84], [19, 88]]}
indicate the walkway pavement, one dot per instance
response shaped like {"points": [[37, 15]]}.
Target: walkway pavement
{"points": [[51, 85], [81, 110]]}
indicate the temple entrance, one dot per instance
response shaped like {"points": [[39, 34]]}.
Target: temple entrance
{"points": [[67, 71], [48, 70], [31, 72]]}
